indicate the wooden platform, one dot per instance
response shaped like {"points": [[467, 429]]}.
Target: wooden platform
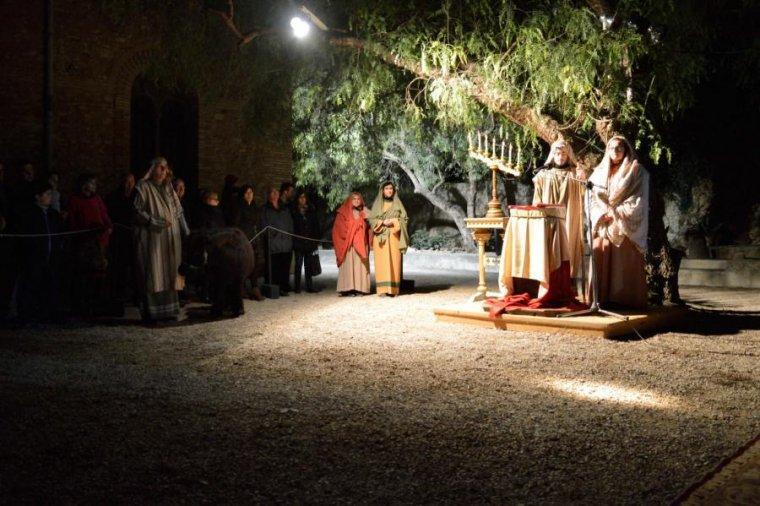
{"points": [[472, 313]]}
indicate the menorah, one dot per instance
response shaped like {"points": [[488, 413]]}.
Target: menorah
{"points": [[495, 163]]}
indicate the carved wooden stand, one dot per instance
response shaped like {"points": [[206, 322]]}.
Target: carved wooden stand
{"points": [[482, 229]]}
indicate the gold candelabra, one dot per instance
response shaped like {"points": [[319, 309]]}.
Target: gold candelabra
{"points": [[495, 163]]}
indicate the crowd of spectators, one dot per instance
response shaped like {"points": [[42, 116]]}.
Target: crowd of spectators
{"points": [[77, 254]]}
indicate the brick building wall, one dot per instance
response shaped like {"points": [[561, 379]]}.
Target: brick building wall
{"points": [[95, 66]]}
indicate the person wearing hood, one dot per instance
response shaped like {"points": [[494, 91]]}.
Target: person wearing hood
{"points": [[388, 221], [561, 183], [159, 222], [619, 212], [350, 235]]}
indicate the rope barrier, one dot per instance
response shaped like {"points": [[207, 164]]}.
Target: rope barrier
{"points": [[269, 227], [55, 234]]}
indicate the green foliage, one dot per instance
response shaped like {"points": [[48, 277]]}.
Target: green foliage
{"points": [[422, 239], [552, 56], [352, 129]]}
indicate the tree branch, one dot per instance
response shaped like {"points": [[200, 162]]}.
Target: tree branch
{"points": [[545, 127], [603, 9], [229, 20]]}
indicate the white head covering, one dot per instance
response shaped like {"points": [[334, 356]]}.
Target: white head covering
{"points": [[561, 143], [624, 196], [159, 160]]}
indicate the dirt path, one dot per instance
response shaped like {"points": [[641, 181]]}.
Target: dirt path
{"points": [[316, 398]]}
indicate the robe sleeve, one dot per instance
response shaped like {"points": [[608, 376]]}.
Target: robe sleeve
{"points": [[143, 217], [631, 216]]}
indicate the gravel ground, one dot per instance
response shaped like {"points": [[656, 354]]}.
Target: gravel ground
{"points": [[317, 398]]}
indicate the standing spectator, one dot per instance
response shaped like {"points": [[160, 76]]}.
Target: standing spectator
{"points": [[305, 224], [38, 286], [54, 179], [229, 200], [280, 245], [23, 194], [158, 246], [287, 194], [87, 211], [8, 269], [210, 216], [180, 188], [120, 204], [248, 219]]}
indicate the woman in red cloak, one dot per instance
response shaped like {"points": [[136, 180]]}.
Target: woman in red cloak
{"points": [[350, 236]]}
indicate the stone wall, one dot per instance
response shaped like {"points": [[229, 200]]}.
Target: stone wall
{"points": [[95, 64]]}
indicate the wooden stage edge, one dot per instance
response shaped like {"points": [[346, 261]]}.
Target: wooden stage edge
{"points": [[472, 313]]}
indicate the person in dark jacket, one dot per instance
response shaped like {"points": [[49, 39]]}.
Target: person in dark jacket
{"points": [[305, 224], [280, 245], [230, 199], [180, 188], [39, 277], [8, 270], [210, 215], [248, 219], [120, 204]]}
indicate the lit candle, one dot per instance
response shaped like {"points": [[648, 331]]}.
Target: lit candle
{"points": [[479, 140], [485, 143], [502, 150], [493, 149], [519, 158], [510, 154]]}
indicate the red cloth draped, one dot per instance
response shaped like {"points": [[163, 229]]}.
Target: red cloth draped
{"points": [[349, 231], [559, 296], [87, 213]]}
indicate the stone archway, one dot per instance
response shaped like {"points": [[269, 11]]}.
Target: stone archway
{"points": [[165, 123]]}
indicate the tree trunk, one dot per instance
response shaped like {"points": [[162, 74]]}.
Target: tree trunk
{"points": [[445, 203], [663, 261]]}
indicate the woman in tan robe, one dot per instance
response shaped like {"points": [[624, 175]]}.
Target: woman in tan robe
{"points": [[619, 212], [159, 220], [350, 235], [388, 220]]}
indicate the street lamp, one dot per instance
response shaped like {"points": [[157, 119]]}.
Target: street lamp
{"points": [[301, 23], [300, 27]]}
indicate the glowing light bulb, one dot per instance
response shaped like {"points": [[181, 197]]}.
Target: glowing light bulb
{"points": [[300, 27]]}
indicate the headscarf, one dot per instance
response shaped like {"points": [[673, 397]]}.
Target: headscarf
{"points": [[350, 231], [397, 210], [624, 195], [561, 143], [160, 160]]}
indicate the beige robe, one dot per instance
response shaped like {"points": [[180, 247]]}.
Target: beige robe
{"points": [[620, 244], [353, 273], [552, 186], [158, 248]]}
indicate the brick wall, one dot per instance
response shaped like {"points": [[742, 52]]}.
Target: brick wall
{"points": [[95, 65]]}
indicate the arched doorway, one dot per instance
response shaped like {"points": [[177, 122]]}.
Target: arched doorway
{"points": [[164, 123]]}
